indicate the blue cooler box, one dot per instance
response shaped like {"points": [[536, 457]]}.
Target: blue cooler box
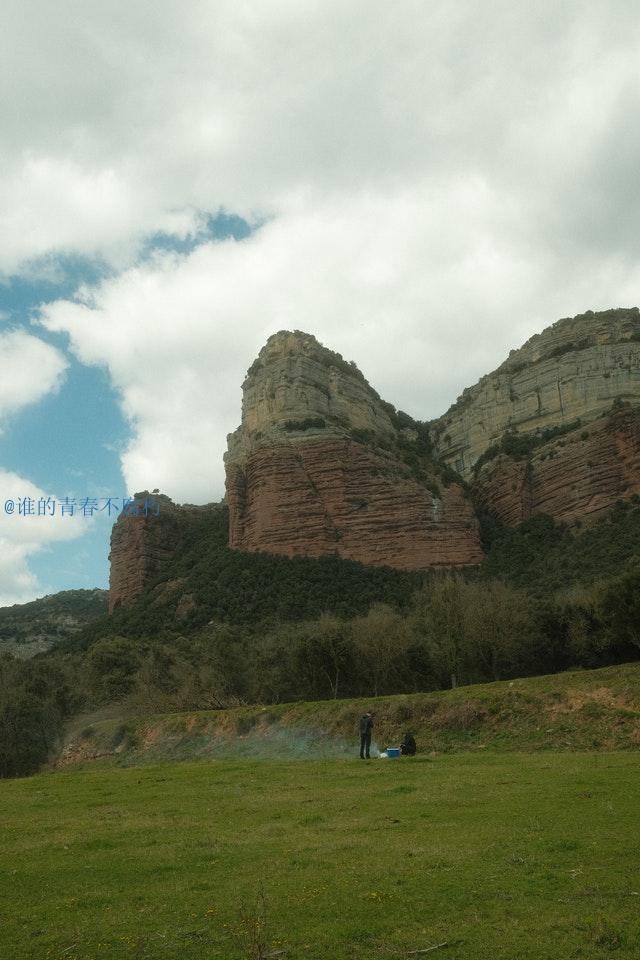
{"points": [[393, 751]]}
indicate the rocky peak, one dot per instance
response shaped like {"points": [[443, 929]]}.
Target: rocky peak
{"points": [[574, 334], [573, 371], [296, 387], [321, 465]]}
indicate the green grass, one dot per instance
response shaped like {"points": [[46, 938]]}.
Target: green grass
{"points": [[502, 855]]}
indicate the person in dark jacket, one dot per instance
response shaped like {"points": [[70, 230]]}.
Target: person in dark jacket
{"points": [[366, 726], [408, 746]]}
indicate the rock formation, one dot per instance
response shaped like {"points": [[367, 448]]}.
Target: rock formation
{"points": [[577, 476], [555, 428], [574, 369], [320, 465], [140, 544]]}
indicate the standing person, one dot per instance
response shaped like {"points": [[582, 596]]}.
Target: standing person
{"points": [[366, 726]]}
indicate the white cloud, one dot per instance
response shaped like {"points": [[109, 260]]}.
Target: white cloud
{"points": [[29, 369], [56, 205], [120, 119], [438, 183], [23, 535]]}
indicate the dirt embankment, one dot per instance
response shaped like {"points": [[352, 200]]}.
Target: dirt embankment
{"points": [[585, 710]]}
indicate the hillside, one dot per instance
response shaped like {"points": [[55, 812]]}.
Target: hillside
{"points": [[547, 558], [585, 710], [30, 628], [263, 629], [212, 608], [208, 581]]}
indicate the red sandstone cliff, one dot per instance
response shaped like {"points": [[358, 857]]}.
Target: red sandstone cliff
{"points": [[319, 467], [578, 476], [141, 544]]}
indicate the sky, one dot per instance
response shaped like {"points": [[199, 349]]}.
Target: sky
{"points": [[422, 186]]}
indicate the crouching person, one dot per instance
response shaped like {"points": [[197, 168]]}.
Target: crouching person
{"points": [[408, 746]]}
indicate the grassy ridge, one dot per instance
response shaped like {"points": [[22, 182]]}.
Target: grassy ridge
{"points": [[583, 710], [29, 628], [498, 855]]}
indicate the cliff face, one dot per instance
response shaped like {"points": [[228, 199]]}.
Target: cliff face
{"points": [[578, 476], [141, 544], [321, 466], [573, 370]]}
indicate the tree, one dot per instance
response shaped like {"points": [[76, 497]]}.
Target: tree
{"points": [[381, 640], [324, 660], [620, 609], [111, 665], [438, 621], [500, 626], [34, 700]]}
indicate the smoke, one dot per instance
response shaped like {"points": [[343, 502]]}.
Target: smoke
{"points": [[278, 742], [253, 736], [259, 742]]}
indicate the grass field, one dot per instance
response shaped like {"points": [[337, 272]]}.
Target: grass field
{"points": [[499, 855]]}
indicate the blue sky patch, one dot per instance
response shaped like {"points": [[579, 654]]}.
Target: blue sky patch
{"points": [[69, 443]]}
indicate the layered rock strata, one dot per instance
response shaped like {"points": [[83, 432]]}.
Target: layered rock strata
{"points": [[316, 468], [141, 545], [578, 476], [574, 369]]}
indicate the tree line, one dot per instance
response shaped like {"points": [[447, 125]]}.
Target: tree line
{"points": [[455, 631]]}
